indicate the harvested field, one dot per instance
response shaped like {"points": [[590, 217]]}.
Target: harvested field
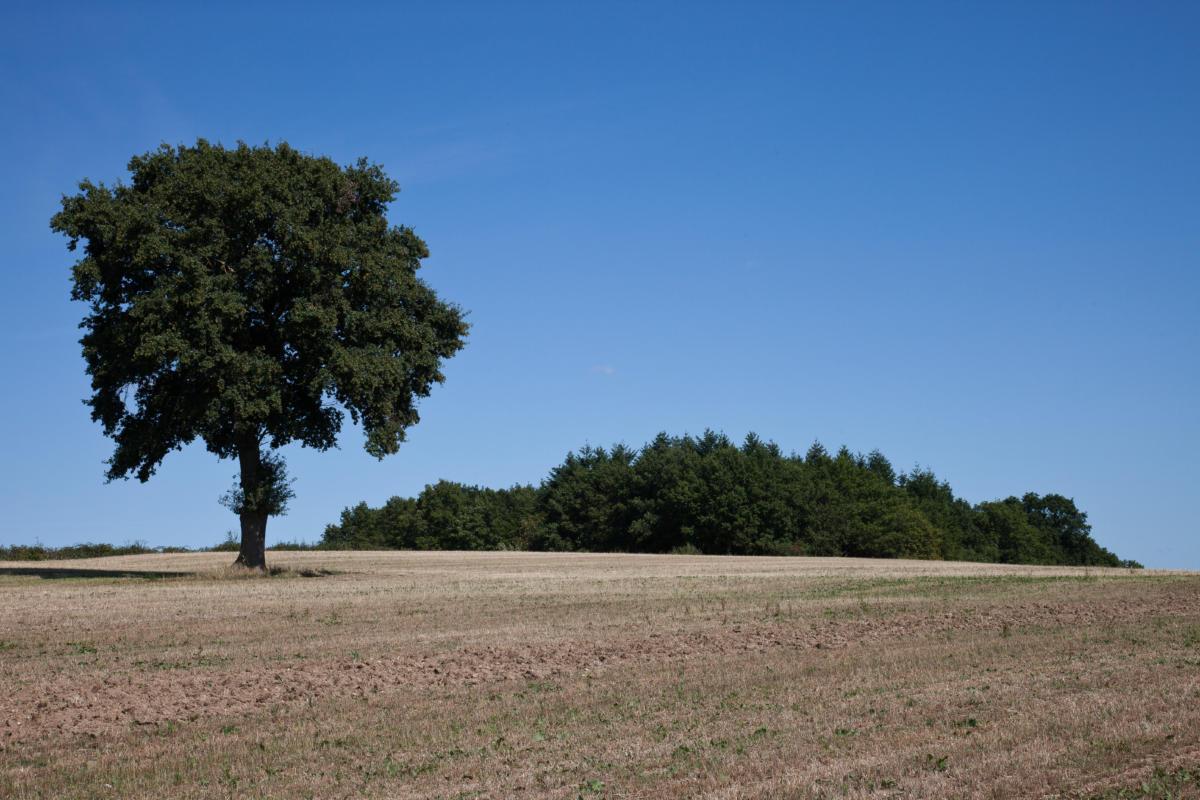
{"points": [[499, 675]]}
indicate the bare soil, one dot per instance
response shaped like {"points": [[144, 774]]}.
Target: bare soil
{"points": [[543, 675]]}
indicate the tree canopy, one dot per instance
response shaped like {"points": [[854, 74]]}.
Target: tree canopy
{"points": [[708, 495], [249, 297]]}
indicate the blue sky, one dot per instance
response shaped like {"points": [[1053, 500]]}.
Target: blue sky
{"points": [[964, 233]]}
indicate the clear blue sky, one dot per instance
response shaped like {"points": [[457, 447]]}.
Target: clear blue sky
{"points": [[967, 234]]}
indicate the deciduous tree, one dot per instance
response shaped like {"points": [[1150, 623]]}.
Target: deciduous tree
{"points": [[248, 298]]}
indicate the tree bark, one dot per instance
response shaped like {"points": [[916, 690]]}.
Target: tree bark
{"points": [[253, 552]]}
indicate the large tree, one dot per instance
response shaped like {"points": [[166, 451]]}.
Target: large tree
{"points": [[249, 297]]}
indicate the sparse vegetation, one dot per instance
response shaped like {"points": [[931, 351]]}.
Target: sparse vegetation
{"points": [[40, 552], [436, 675], [1161, 784]]}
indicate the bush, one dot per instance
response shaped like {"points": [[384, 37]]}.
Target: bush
{"points": [[39, 552], [294, 546], [231, 544]]}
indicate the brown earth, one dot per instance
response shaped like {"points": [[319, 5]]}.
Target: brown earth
{"points": [[522, 675]]}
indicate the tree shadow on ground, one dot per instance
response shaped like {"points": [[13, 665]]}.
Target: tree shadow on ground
{"points": [[78, 572]]}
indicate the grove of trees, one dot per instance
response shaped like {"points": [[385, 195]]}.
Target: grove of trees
{"points": [[706, 494]]}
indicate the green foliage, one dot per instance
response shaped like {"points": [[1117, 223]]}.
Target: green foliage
{"points": [[446, 516], [954, 520], [229, 545], [1066, 530], [1161, 784], [295, 546], [38, 552], [249, 297], [270, 493], [1006, 525], [707, 495], [586, 500]]}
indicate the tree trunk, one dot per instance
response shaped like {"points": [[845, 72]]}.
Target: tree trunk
{"points": [[253, 553]]}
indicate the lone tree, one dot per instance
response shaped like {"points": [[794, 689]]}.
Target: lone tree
{"points": [[248, 297]]}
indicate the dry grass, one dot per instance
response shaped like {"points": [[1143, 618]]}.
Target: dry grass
{"points": [[443, 675]]}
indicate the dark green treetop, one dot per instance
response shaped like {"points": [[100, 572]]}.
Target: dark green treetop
{"points": [[248, 297]]}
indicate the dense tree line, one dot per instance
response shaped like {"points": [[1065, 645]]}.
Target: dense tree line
{"points": [[707, 495]]}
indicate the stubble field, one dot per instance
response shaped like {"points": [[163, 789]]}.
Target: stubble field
{"points": [[513, 675]]}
